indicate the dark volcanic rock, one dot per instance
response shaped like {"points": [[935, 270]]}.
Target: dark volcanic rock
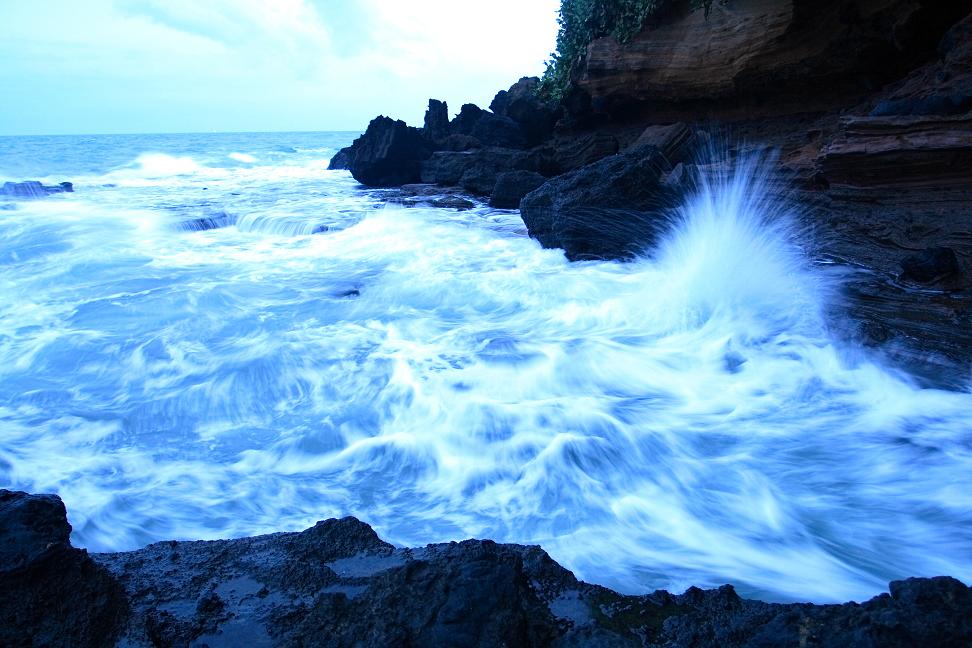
{"points": [[465, 121], [761, 57], [521, 104], [341, 160], [675, 141], [33, 189], [922, 150], [436, 126], [390, 153], [611, 209], [930, 265], [339, 584], [51, 594], [490, 129], [566, 153], [474, 170], [511, 186]]}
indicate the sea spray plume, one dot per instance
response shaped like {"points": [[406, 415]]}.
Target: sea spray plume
{"points": [[737, 250]]}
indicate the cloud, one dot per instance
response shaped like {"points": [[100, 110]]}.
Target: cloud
{"points": [[164, 65]]}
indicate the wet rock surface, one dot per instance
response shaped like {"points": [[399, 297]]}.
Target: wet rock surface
{"points": [[339, 584], [33, 189], [611, 209], [390, 153]]}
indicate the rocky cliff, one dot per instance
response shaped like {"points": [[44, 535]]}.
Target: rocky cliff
{"points": [[865, 103]]}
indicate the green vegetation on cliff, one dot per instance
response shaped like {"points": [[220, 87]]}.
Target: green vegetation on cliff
{"points": [[582, 21]]}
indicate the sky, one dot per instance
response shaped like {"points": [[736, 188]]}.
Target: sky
{"points": [[156, 66]]}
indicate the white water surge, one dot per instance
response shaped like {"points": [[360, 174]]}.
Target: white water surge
{"points": [[686, 419]]}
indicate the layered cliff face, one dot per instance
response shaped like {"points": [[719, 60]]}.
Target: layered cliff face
{"points": [[750, 58], [867, 104]]}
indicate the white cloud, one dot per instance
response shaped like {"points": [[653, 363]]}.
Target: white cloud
{"points": [[150, 65]]}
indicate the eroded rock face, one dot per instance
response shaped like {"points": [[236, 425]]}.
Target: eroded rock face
{"points": [[915, 150], [611, 209], [390, 153], [762, 57], [473, 170], [512, 186], [51, 594], [521, 104], [339, 584]]}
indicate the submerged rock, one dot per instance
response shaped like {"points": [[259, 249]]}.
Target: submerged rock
{"points": [[339, 584], [34, 189], [213, 221]]}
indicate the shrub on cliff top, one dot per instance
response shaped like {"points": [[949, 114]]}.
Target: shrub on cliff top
{"points": [[582, 21]]}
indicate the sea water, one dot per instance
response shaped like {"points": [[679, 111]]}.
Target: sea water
{"points": [[684, 419]]}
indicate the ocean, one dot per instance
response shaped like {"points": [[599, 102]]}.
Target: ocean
{"points": [[688, 418]]}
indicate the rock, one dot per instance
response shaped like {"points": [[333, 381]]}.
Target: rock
{"points": [[390, 153], [611, 209], [465, 121], [488, 128], [942, 88], [521, 104], [930, 265], [51, 594], [479, 167], [882, 151], [33, 189], [339, 584], [566, 153], [760, 57], [435, 196], [495, 130], [341, 160], [436, 126], [453, 202], [458, 142], [511, 186], [214, 221], [675, 141]]}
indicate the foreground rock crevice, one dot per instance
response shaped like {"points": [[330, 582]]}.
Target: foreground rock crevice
{"points": [[339, 584]]}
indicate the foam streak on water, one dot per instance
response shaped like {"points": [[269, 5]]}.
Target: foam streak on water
{"points": [[682, 420]]}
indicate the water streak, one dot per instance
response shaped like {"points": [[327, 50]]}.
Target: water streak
{"points": [[686, 419]]}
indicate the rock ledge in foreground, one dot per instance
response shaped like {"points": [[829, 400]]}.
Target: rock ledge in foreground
{"points": [[339, 584]]}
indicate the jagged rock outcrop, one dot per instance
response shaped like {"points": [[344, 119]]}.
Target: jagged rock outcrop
{"points": [[436, 124], [339, 584], [51, 594], [474, 170], [521, 103], [390, 153], [611, 209]]}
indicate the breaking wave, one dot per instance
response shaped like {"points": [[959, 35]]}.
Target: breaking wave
{"points": [[684, 419]]}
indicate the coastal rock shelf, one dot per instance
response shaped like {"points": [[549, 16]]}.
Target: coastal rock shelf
{"points": [[339, 584]]}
